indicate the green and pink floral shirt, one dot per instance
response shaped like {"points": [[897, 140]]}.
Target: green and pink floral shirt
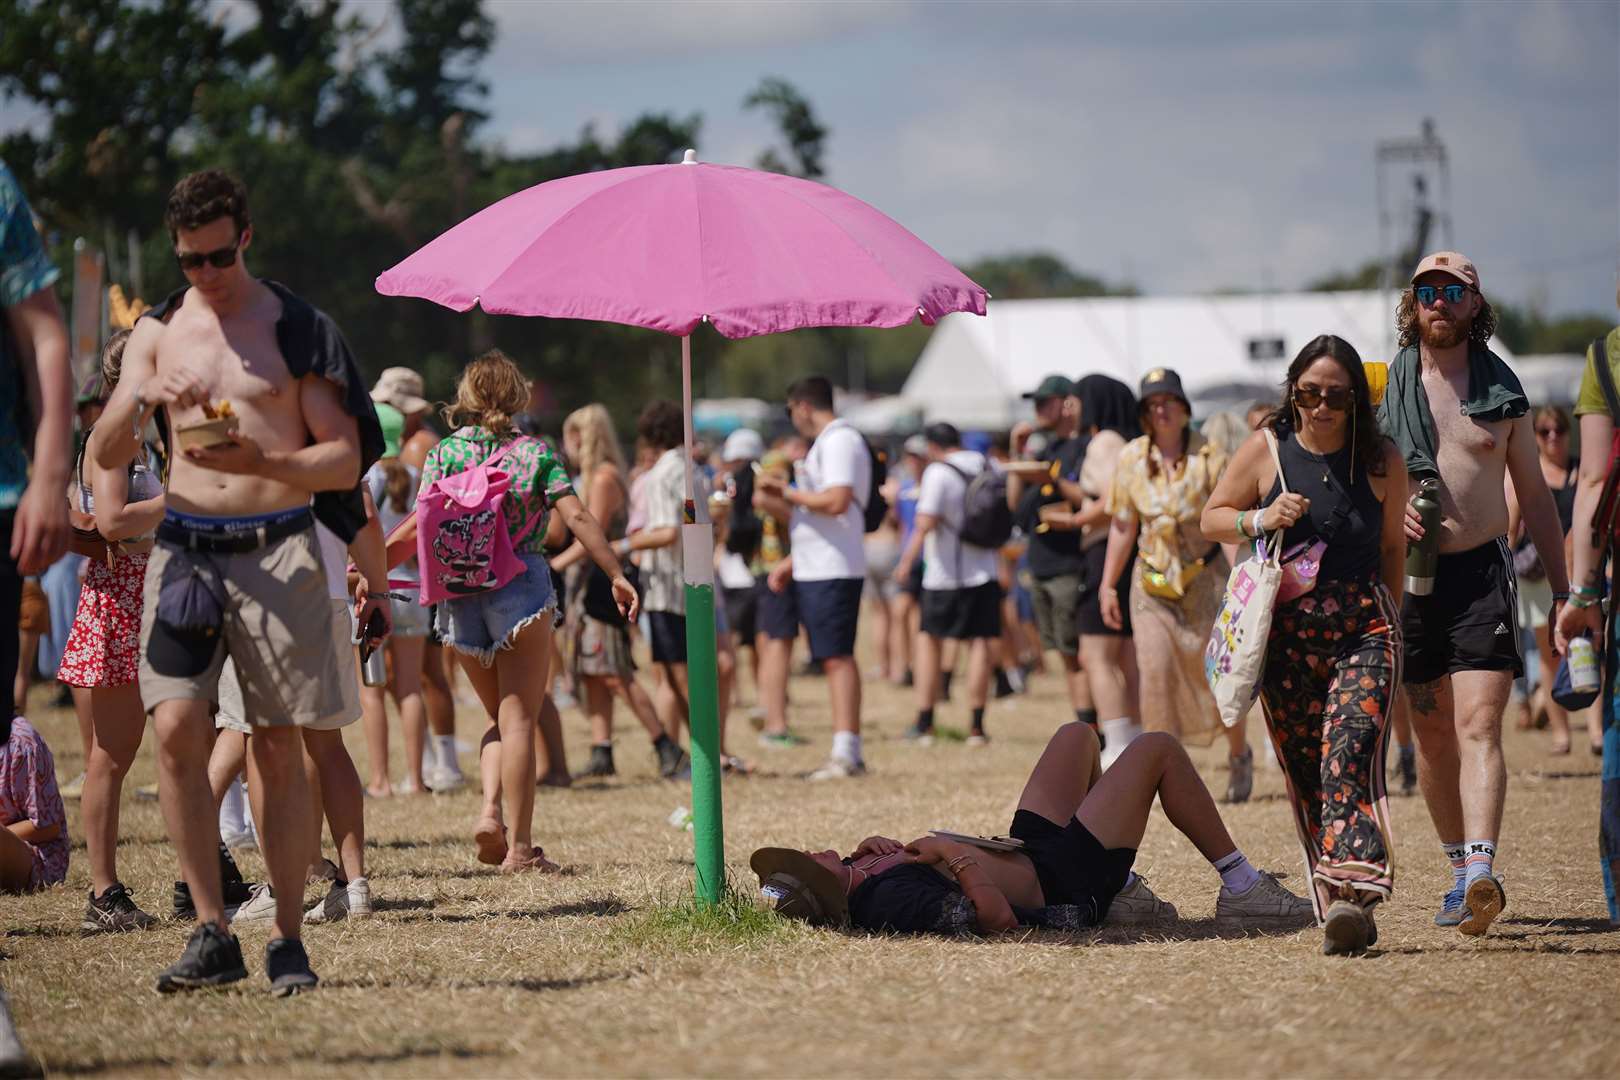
{"points": [[538, 478]]}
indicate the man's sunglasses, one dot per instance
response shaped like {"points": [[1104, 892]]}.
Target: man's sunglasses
{"points": [[1426, 294], [1337, 398], [219, 259]]}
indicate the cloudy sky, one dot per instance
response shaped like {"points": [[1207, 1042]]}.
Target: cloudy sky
{"points": [[1185, 147]]}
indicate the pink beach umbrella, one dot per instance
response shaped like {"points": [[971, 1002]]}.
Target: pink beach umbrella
{"points": [[668, 247]]}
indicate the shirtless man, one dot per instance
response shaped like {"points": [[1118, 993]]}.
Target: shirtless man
{"points": [[236, 569], [1462, 640], [1079, 828]]}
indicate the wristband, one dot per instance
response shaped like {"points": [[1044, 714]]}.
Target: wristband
{"points": [[1557, 596], [1241, 531], [1580, 602]]}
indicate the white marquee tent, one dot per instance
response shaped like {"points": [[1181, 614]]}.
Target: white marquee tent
{"points": [[973, 369]]}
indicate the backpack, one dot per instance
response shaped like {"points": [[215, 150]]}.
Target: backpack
{"points": [[987, 520], [462, 544], [876, 507], [1606, 522]]}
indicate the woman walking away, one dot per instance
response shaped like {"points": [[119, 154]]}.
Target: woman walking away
{"points": [[392, 485], [1560, 470], [1161, 484], [503, 636], [1107, 655], [1333, 658], [599, 636], [118, 512]]}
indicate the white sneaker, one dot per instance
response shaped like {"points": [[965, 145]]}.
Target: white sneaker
{"points": [[73, 789], [442, 780], [260, 907], [1135, 905], [1117, 742], [839, 769], [1266, 905], [241, 841], [342, 901]]}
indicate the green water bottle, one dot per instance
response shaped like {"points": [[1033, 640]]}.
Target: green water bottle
{"points": [[1423, 556]]}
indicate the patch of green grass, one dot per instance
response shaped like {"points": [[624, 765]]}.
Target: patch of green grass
{"points": [[688, 924]]}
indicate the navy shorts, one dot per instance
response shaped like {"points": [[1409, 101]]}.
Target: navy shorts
{"points": [[776, 615], [668, 637], [830, 611]]}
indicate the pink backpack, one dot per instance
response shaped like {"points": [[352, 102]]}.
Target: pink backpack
{"points": [[462, 544]]}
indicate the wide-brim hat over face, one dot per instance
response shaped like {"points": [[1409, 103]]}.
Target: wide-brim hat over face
{"points": [[793, 884]]}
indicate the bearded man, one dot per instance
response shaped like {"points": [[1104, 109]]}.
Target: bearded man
{"points": [[1459, 415]]}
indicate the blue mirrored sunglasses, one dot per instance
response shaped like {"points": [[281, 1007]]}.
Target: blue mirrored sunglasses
{"points": [[1426, 294]]}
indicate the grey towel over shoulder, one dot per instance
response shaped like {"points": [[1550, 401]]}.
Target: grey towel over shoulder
{"points": [[1494, 393]]}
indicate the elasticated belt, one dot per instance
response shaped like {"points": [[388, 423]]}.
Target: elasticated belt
{"points": [[233, 537]]}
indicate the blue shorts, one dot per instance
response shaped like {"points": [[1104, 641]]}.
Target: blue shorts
{"points": [[830, 611], [483, 624], [776, 615]]}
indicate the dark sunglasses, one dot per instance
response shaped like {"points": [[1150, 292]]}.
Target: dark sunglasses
{"points": [[1426, 294], [1549, 432], [1337, 398], [219, 259]]}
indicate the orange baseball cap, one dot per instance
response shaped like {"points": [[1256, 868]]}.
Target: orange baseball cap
{"points": [[1452, 263]]}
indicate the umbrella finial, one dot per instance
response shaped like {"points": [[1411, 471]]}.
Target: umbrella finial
{"points": [[689, 158]]}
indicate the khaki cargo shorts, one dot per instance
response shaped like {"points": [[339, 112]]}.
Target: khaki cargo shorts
{"points": [[276, 629], [233, 715]]}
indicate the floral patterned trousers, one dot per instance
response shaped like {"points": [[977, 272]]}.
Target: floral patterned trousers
{"points": [[1332, 668]]}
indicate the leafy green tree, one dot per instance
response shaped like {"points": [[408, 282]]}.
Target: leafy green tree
{"points": [[1035, 275], [806, 138]]}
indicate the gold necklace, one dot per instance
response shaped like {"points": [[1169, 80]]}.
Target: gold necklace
{"points": [[1327, 468]]}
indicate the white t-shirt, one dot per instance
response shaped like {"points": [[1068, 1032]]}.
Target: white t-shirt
{"points": [[948, 563], [827, 547], [377, 481]]}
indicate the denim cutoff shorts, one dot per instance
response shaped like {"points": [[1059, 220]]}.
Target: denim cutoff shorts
{"points": [[483, 624]]}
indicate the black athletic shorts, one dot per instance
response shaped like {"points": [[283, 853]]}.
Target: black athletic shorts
{"points": [[1072, 865], [1089, 613], [912, 586], [974, 612], [668, 637], [741, 606], [1470, 622]]}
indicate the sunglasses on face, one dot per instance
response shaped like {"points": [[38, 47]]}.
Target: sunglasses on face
{"points": [[1426, 294], [1337, 398], [1550, 432], [219, 259]]}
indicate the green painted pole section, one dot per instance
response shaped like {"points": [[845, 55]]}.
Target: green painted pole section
{"points": [[703, 700]]}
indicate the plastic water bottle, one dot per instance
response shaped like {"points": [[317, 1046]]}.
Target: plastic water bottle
{"points": [[1583, 666], [1423, 556]]}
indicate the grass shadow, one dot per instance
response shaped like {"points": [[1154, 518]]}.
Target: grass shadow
{"points": [[459, 1052], [531, 985], [1562, 774], [604, 907], [1566, 927], [43, 932]]}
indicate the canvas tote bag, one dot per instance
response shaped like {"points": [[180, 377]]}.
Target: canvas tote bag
{"points": [[1236, 654]]}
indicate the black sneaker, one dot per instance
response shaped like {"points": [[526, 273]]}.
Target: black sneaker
{"points": [[234, 895], [601, 763], [287, 965], [184, 909], [114, 911], [233, 889], [1003, 685], [671, 759], [213, 957]]}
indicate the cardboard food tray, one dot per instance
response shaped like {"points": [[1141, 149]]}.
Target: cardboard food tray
{"points": [[989, 843], [205, 433]]}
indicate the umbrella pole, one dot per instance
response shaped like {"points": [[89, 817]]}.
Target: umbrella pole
{"points": [[702, 682]]}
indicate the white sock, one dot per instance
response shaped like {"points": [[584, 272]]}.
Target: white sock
{"points": [[846, 746], [446, 745], [1236, 873], [233, 810], [1117, 734]]}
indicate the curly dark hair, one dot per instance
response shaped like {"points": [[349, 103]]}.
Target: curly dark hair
{"points": [[206, 196], [1368, 439], [661, 424], [1406, 321]]}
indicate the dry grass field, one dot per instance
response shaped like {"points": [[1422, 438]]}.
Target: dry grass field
{"points": [[595, 972]]}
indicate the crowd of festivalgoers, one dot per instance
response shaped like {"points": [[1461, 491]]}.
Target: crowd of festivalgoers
{"points": [[158, 572]]}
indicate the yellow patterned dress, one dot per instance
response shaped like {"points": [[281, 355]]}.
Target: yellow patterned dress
{"points": [[1170, 635]]}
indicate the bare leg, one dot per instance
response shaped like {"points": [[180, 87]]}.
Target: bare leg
{"points": [[374, 716], [725, 667], [342, 798], [925, 660], [1104, 672], [1479, 699], [551, 754], [441, 707], [1430, 707], [118, 723], [1067, 769], [1077, 682], [27, 656], [774, 658], [16, 862], [978, 684], [900, 634], [225, 764], [522, 675], [1116, 809], [1237, 737], [183, 732], [406, 682], [669, 701], [84, 711], [640, 704], [878, 620], [282, 807]]}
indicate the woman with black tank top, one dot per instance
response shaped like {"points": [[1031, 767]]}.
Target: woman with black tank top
{"points": [[1333, 659], [1560, 470]]}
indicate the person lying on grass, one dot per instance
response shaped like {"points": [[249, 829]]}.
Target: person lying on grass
{"points": [[1077, 827]]}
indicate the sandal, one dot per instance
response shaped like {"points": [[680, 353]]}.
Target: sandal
{"points": [[490, 836], [535, 860]]}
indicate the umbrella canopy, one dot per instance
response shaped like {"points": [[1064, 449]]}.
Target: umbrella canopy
{"points": [[668, 246]]}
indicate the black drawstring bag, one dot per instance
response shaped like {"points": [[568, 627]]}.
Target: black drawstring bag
{"points": [[190, 615]]}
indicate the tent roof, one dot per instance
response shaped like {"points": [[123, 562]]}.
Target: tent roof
{"points": [[973, 369]]}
